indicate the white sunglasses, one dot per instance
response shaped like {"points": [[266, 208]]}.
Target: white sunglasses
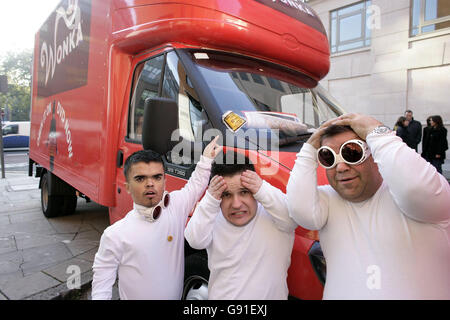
{"points": [[155, 212], [352, 152]]}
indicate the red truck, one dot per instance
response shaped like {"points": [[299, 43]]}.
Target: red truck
{"points": [[112, 76]]}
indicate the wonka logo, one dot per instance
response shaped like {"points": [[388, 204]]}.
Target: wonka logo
{"points": [[50, 56], [64, 48]]}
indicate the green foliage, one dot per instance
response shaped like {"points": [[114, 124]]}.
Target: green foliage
{"points": [[17, 66]]}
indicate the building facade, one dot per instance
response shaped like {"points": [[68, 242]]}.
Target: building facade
{"points": [[389, 56]]}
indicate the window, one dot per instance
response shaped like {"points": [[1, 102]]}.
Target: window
{"points": [[11, 129], [146, 85], [348, 27], [429, 16], [177, 86]]}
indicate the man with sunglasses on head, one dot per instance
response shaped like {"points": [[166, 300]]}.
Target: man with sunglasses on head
{"points": [[384, 220], [146, 248]]}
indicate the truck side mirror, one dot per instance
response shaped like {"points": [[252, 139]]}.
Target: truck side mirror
{"points": [[160, 121]]}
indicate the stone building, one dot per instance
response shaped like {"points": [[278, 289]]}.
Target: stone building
{"points": [[388, 56]]}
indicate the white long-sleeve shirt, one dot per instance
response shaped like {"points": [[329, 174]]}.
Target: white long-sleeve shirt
{"points": [[147, 256], [248, 262], [395, 245]]}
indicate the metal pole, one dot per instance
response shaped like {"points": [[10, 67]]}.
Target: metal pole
{"points": [[1, 148]]}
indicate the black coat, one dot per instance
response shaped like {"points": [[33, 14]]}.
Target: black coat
{"points": [[435, 142], [413, 134], [401, 132]]}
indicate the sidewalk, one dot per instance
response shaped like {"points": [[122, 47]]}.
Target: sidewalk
{"points": [[35, 252]]}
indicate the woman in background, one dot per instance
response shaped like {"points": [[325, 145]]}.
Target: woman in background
{"points": [[400, 127], [426, 138], [436, 144]]}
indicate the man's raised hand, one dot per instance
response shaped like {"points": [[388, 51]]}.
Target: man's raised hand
{"points": [[212, 149]]}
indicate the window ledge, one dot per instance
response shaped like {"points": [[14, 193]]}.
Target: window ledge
{"points": [[347, 52], [428, 35]]}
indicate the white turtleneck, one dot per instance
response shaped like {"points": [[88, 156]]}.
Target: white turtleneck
{"points": [[395, 245], [148, 257]]}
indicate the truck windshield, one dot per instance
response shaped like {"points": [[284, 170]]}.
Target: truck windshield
{"points": [[263, 96]]}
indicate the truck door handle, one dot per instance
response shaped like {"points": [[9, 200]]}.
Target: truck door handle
{"points": [[119, 159]]}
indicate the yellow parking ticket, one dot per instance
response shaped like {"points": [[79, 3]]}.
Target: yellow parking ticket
{"points": [[233, 121]]}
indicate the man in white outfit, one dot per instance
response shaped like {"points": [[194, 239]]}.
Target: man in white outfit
{"points": [[146, 248], [244, 224], [384, 220]]}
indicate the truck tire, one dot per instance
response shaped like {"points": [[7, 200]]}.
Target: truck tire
{"points": [[70, 204], [196, 275], [55, 205]]}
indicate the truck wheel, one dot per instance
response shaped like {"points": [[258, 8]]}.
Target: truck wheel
{"points": [[70, 204], [51, 205], [196, 275]]}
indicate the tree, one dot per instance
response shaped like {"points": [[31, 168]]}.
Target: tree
{"points": [[17, 67]]}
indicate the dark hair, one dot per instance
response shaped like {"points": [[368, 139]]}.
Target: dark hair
{"points": [[408, 111], [146, 156], [438, 120], [428, 121], [230, 165], [334, 130], [400, 121]]}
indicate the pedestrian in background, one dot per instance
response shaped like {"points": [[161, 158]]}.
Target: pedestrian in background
{"points": [[426, 138], [400, 128], [436, 143], [413, 131]]}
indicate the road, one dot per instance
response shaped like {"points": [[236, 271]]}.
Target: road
{"points": [[16, 161]]}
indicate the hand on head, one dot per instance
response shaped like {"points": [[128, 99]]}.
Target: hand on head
{"points": [[251, 180], [361, 124], [217, 186]]}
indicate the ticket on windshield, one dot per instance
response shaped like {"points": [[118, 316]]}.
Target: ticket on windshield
{"points": [[233, 121]]}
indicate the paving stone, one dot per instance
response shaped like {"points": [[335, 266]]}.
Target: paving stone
{"points": [[18, 196], [18, 217], [39, 258], [60, 271], [27, 241], [6, 277], [24, 187], [7, 244], [4, 220], [10, 262], [89, 255], [27, 286], [91, 235], [6, 207], [67, 224], [37, 227]]}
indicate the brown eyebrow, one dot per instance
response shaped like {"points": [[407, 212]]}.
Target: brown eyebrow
{"points": [[159, 175]]}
